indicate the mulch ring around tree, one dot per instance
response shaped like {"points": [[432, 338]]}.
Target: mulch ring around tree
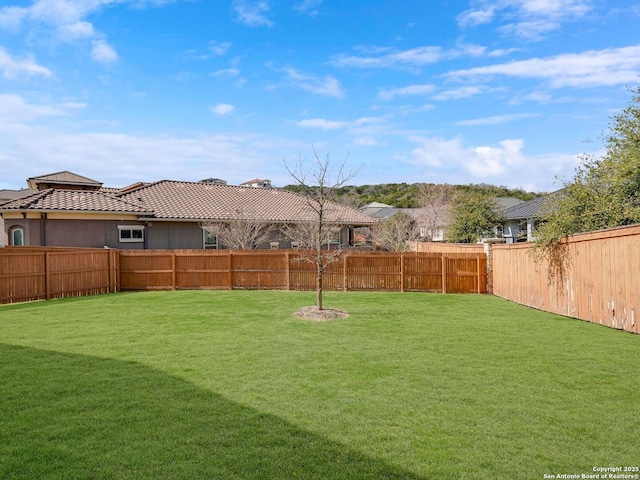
{"points": [[324, 315]]}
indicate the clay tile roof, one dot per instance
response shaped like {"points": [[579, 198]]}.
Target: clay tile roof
{"points": [[8, 195], [76, 201], [173, 200]]}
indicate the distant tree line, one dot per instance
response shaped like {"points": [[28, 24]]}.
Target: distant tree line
{"points": [[405, 195]]}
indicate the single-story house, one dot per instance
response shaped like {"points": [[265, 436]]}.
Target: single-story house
{"points": [[521, 220], [433, 231], [66, 209]]}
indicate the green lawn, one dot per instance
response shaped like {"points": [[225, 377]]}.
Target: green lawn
{"points": [[229, 385]]}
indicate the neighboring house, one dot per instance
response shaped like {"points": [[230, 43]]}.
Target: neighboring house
{"points": [[521, 220], [434, 231], [257, 183], [161, 215], [382, 211]]}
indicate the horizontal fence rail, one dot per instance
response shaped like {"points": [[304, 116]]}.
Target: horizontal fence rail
{"points": [[40, 273], [294, 270]]}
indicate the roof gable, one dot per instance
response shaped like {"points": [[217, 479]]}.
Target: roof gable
{"points": [[62, 179]]}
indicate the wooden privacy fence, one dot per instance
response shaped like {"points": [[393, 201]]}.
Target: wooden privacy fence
{"points": [[600, 280], [34, 273], [288, 270], [42, 273]]}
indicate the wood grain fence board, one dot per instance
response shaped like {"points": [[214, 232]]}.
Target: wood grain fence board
{"points": [[43, 273], [601, 283], [36, 273]]}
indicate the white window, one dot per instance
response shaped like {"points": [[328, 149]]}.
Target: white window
{"points": [[16, 236], [131, 233], [210, 240]]}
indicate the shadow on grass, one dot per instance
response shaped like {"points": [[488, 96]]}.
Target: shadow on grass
{"points": [[74, 416]]}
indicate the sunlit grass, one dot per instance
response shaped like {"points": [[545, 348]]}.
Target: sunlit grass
{"points": [[228, 384]]}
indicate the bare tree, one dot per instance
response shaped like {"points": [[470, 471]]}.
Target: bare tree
{"points": [[240, 233], [318, 186], [434, 201], [395, 232]]}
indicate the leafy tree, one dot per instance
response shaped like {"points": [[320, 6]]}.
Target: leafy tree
{"points": [[473, 214], [605, 191]]}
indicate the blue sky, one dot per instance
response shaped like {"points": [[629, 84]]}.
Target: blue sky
{"points": [[507, 92]]}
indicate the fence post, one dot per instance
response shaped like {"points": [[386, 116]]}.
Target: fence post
{"points": [[402, 272], [173, 270], [47, 275], [230, 270], [287, 270], [444, 274], [344, 273], [110, 274], [478, 270]]}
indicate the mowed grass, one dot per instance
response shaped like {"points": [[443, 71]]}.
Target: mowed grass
{"points": [[229, 385]]}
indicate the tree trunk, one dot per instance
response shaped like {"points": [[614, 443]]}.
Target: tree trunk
{"points": [[320, 264]]}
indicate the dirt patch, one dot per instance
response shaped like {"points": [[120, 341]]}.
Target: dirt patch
{"points": [[324, 315]]}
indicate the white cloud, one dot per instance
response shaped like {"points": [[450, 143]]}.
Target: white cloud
{"points": [[119, 159], [502, 52], [252, 12], [322, 124], [12, 67], [414, 57], [219, 49], [222, 109], [11, 17], [528, 19], [608, 67], [308, 7], [365, 142], [227, 72], [530, 30], [60, 15], [365, 131], [326, 86], [102, 52], [503, 163], [436, 152], [77, 30], [404, 91], [494, 120], [411, 59], [476, 17], [214, 49], [458, 93], [66, 21], [14, 109], [481, 161], [491, 161]]}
